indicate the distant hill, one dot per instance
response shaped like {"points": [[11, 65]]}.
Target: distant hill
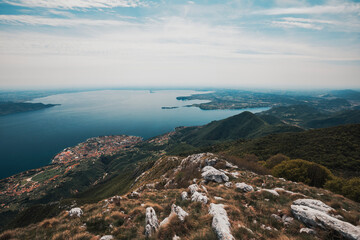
{"points": [[347, 94], [336, 148], [13, 107], [245, 125], [344, 117], [295, 114]]}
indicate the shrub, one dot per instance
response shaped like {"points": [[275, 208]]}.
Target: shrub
{"points": [[299, 170], [275, 160], [350, 188]]}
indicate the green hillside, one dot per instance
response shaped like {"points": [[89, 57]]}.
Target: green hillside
{"points": [[245, 125], [337, 148], [345, 117]]}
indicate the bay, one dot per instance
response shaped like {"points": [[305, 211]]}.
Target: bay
{"points": [[29, 140]]}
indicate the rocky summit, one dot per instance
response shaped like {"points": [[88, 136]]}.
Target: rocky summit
{"points": [[204, 196]]}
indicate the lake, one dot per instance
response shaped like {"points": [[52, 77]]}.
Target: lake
{"points": [[29, 140]]}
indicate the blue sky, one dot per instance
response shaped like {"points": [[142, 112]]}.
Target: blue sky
{"points": [[240, 43]]}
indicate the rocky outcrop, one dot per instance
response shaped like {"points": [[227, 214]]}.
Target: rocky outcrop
{"points": [[151, 222], [199, 197], [220, 222], [243, 187], [273, 192], [316, 213], [193, 188], [175, 211], [314, 204], [76, 212], [212, 174]]}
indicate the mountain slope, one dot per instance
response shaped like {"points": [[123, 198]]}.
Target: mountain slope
{"points": [[203, 196], [244, 125], [341, 118]]}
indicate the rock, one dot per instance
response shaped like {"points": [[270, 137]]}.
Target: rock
{"points": [[115, 200], [198, 159], [276, 217], [179, 212], [77, 212], [212, 174], [176, 237], [273, 192], [184, 196], [230, 165], [228, 184], [134, 195], [243, 187], [107, 237], [317, 215], [220, 222], [175, 211], [314, 204], [235, 174], [308, 231], [204, 188], [218, 198], [151, 222], [193, 188], [287, 220], [199, 197]]}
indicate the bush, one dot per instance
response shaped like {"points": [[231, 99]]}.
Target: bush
{"points": [[275, 160], [350, 188], [299, 170]]}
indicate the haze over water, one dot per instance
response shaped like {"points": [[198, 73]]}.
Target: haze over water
{"points": [[29, 140]]}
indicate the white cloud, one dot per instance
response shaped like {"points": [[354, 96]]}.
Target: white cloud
{"points": [[57, 22], [290, 24], [319, 9], [72, 4]]}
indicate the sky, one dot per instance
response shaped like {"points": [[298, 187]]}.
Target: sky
{"points": [[132, 43]]}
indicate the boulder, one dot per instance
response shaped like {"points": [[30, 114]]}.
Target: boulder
{"points": [[193, 188], [134, 195], [107, 237], [151, 222], [184, 196], [212, 174], [243, 187], [228, 184], [220, 222], [175, 211], [76, 212], [273, 192], [316, 213], [199, 197]]}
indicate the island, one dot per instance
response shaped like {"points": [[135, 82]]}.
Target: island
{"points": [[169, 107]]}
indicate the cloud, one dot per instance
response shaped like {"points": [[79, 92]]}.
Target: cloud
{"points": [[73, 4], [290, 22], [57, 22], [319, 9]]}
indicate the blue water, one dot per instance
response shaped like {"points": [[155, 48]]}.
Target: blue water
{"points": [[29, 140]]}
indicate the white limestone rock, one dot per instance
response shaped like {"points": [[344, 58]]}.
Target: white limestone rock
{"points": [[176, 237], [175, 211], [193, 188], [273, 192], [218, 198], [107, 237], [199, 197], [134, 195], [151, 222], [230, 165], [314, 204], [315, 213], [228, 184], [308, 231], [220, 222], [212, 174], [76, 212], [243, 187], [184, 196]]}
